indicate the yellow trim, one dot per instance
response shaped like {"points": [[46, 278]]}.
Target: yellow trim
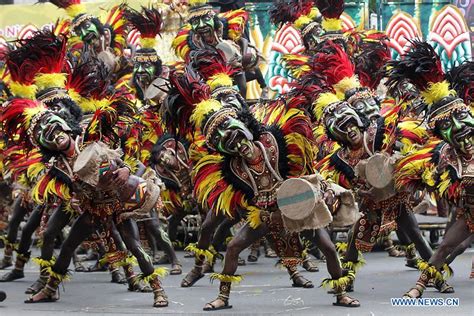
{"points": [[60, 277], [343, 281], [198, 252], [226, 278], [159, 272], [44, 263], [354, 265], [341, 247]]}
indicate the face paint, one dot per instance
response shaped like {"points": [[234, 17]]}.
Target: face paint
{"points": [[345, 125], [457, 130], [203, 25], [53, 133], [144, 73], [233, 137], [367, 106], [87, 31]]}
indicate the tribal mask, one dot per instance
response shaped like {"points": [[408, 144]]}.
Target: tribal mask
{"points": [[144, 73], [344, 124], [365, 102], [233, 137], [89, 31], [53, 133], [203, 24], [457, 129]]}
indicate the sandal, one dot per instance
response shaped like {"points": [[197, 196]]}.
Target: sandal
{"points": [[79, 267], [36, 287], [444, 287], [409, 295], [310, 266], [139, 286], [45, 299], [191, 278], [118, 277], [211, 307], [270, 253], [352, 302], [160, 300], [253, 255], [241, 262], [300, 281], [176, 269]]}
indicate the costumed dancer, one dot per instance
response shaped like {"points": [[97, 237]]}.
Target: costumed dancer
{"points": [[443, 166]]}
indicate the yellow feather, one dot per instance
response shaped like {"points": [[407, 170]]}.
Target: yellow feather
{"points": [[75, 9], [220, 80], [202, 109], [436, 91], [22, 90], [346, 84], [332, 24], [53, 80], [322, 102]]}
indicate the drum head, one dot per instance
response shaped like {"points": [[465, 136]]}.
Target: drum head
{"points": [[297, 198], [88, 155], [379, 171]]}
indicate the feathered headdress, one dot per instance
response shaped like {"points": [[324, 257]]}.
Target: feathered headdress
{"points": [[213, 68], [186, 90], [370, 62], [22, 73], [331, 10], [198, 8], [46, 54], [422, 67], [301, 13], [337, 67], [19, 118], [234, 22], [461, 79], [73, 8], [149, 22]]}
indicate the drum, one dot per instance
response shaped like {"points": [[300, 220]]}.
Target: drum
{"points": [[378, 172], [90, 161], [301, 204]]}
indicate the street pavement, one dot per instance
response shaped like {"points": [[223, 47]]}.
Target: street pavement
{"points": [[265, 290]]}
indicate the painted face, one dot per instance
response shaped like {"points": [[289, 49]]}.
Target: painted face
{"points": [[144, 73], [313, 38], [345, 125], [233, 137], [53, 133], [457, 130], [167, 159], [203, 25], [88, 32], [367, 106], [230, 100]]}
